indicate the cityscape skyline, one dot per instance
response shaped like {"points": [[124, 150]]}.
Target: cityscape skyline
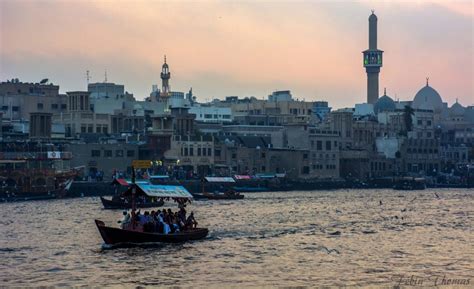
{"points": [[251, 51]]}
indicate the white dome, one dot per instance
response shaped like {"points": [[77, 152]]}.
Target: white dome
{"points": [[427, 98]]}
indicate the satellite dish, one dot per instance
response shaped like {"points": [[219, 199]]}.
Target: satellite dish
{"points": [[44, 81]]}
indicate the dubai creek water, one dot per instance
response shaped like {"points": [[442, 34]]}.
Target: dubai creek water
{"points": [[340, 237]]}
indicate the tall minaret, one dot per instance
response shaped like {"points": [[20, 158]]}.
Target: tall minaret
{"points": [[372, 61], [165, 76]]}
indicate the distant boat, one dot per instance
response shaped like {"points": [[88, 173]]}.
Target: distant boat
{"points": [[218, 195], [410, 184], [250, 189]]}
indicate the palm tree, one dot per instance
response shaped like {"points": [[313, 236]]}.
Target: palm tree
{"points": [[408, 112]]}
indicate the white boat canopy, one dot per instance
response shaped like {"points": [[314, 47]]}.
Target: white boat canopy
{"points": [[220, 180], [162, 191], [159, 177]]}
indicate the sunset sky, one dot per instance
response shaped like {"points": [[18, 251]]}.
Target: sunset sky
{"points": [[239, 48]]}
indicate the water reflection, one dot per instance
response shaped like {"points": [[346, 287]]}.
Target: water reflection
{"points": [[344, 237]]}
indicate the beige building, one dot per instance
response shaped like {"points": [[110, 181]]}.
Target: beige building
{"points": [[80, 119], [266, 112], [19, 99], [324, 154], [193, 153]]}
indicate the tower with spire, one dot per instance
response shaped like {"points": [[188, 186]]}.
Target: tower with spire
{"points": [[372, 61], [165, 77]]}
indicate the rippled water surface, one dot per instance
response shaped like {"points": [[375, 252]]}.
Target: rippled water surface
{"points": [[343, 237]]}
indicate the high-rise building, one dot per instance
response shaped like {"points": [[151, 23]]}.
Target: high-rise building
{"points": [[372, 61]]}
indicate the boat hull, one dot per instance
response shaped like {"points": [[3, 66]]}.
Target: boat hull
{"points": [[113, 236], [218, 197], [109, 204]]}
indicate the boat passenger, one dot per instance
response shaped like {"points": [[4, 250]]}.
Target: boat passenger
{"points": [[182, 215], [125, 222], [191, 222]]}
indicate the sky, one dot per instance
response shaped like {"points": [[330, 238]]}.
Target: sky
{"points": [[242, 48]]}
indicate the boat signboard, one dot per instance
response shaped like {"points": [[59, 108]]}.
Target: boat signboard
{"points": [[141, 164]]}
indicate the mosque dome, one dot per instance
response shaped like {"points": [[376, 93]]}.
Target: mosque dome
{"points": [[456, 109], [427, 98], [384, 103]]}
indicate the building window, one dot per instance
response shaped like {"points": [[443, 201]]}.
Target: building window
{"points": [[63, 106], [185, 151], [105, 129], [83, 128], [54, 106], [5, 108], [130, 153], [217, 153], [420, 122], [108, 153], [319, 145], [40, 106], [199, 152], [90, 128], [119, 153], [328, 145], [262, 155], [95, 153], [191, 151], [15, 108], [209, 152], [234, 156]]}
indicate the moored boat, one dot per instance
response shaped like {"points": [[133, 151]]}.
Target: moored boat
{"points": [[219, 196], [410, 184], [223, 193]]}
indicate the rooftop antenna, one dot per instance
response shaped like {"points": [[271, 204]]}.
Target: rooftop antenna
{"points": [[88, 77], [427, 80], [105, 76]]}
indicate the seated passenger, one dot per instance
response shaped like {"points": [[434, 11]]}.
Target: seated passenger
{"points": [[191, 222]]}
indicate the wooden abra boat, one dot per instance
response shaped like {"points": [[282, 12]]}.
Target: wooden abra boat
{"points": [[219, 196], [114, 236], [229, 194], [136, 234]]}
